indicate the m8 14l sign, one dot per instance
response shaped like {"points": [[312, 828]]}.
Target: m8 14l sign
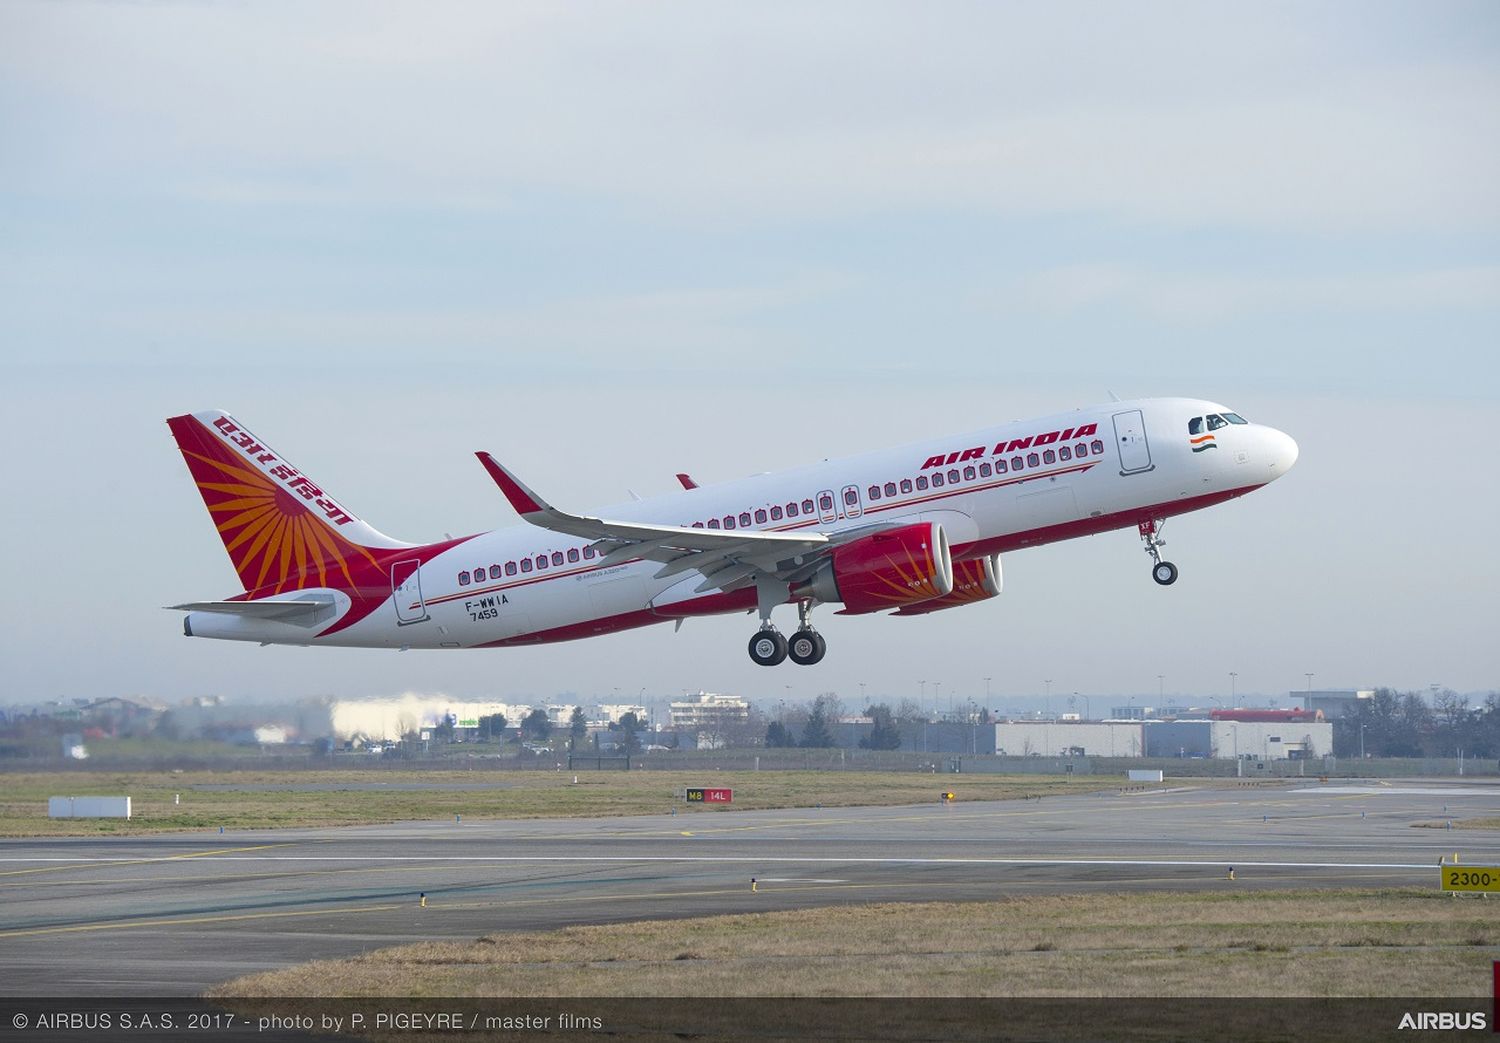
{"points": [[710, 796]]}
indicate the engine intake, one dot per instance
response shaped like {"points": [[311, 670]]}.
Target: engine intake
{"points": [[977, 579], [904, 566]]}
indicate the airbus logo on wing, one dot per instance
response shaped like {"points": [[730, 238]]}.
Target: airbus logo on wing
{"points": [[1014, 445]]}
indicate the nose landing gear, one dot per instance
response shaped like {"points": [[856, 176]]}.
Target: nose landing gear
{"points": [[1164, 572]]}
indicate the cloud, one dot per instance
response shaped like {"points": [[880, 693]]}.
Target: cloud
{"points": [[1146, 114], [1189, 297]]}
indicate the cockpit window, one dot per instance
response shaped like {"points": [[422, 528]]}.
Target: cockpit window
{"points": [[1235, 418], [1195, 426], [1215, 421]]}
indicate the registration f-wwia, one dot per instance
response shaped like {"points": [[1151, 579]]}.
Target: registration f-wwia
{"points": [[912, 530]]}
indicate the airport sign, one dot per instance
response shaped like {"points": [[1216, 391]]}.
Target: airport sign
{"points": [[710, 796], [1471, 878]]}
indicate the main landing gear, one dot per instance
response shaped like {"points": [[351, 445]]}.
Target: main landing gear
{"points": [[1164, 572], [806, 647]]}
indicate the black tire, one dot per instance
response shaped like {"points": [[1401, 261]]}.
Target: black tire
{"points": [[806, 647], [767, 648], [1165, 573]]}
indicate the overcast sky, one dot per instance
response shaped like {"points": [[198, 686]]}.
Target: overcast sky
{"points": [[613, 242]]}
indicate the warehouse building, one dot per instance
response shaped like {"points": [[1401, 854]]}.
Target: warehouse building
{"points": [[1070, 739]]}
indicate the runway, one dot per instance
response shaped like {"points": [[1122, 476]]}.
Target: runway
{"points": [[173, 914]]}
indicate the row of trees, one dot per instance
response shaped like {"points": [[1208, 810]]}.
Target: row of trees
{"points": [[1405, 724]]}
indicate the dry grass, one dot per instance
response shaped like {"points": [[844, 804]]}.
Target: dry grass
{"points": [[1342, 943], [518, 794], [1459, 823]]}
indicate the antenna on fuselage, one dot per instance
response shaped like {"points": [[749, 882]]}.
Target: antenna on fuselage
{"points": [[1114, 397]]}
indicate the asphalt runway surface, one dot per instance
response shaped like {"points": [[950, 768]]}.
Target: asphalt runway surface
{"points": [[172, 914]]}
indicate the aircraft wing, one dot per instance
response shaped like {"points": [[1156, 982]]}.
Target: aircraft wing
{"points": [[726, 559]]}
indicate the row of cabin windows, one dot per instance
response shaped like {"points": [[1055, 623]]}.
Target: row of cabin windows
{"points": [[762, 515], [540, 562], [987, 469], [793, 509]]}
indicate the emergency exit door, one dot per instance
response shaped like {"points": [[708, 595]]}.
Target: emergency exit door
{"points": [[407, 592]]}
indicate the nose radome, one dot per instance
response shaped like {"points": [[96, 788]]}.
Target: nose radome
{"points": [[1283, 450]]}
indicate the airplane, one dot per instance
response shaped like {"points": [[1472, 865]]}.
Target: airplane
{"points": [[911, 530]]}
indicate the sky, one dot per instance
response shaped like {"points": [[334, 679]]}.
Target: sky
{"points": [[610, 242]]}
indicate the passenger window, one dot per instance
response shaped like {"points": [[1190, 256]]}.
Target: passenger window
{"points": [[985, 470], [463, 579], [937, 479], [873, 492], [713, 523], [890, 488], [953, 476], [697, 525], [588, 552], [1215, 422], [1195, 426], [807, 507], [1000, 467], [479, 574], [541, 561], [969, 473], [775, 513], [906, 485], [494, 572], [1049, 457], [510, 568], [1015, 463], [744, 519], [850, 497], [760, 516], [1033, 460], [525, 564], [921, 482], [825, 502], [728, 521], [1080, 450], [1096, 446], [573, 554], [557, 557], [791, 510], [1064, 453]]}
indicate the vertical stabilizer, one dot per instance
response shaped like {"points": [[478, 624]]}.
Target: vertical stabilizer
{"points": [[281, 529]]}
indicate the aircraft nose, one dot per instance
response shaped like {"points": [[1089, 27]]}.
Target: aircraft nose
{"points": [[1283, 450]]}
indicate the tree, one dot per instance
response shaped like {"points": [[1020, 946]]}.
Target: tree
{"points": [[578, 727], [884, 735], [443, 732], [778, 735], [535, 725], [630, 726], [817, 734], [908, 712], [492, 726]]}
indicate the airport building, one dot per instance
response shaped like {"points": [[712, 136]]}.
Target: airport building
{"points": [[1334, 702], [709, 710], [1070, 739]]}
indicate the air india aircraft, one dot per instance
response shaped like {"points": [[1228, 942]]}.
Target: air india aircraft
{"points": [[912, 530]]}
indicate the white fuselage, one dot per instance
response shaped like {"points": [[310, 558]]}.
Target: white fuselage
{"points": [[997, 489]]}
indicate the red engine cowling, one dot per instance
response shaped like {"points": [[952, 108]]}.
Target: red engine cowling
{"points": [[890, 569], [977, 579]]}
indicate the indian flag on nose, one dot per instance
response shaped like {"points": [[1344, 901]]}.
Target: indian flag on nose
{"points": [[1203, 442]]}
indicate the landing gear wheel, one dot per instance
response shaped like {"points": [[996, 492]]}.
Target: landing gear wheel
{"points": [[1165, 573], [807, 647], [768, 648]]}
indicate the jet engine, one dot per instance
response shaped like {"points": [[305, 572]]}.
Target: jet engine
{"points": [[977, 579], [889, 569]]}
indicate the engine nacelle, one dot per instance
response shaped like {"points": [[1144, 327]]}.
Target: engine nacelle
{"points": [[977, 579], [890, 569]]}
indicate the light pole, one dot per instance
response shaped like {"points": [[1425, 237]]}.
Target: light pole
{"points": [[1361, 742], [862, 702], [923, 697], [986, 691], [1161, 688], [937, 694], [1232, 676], [1048, 682], [1309, 677]]}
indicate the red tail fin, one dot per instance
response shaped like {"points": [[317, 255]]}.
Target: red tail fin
{"points": [[281, 530]]}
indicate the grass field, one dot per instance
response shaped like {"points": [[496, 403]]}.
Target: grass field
{"points": [[335, 798], [1357, 943]]}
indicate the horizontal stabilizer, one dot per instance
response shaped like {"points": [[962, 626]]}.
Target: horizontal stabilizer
{"points": [[303, 610]]}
